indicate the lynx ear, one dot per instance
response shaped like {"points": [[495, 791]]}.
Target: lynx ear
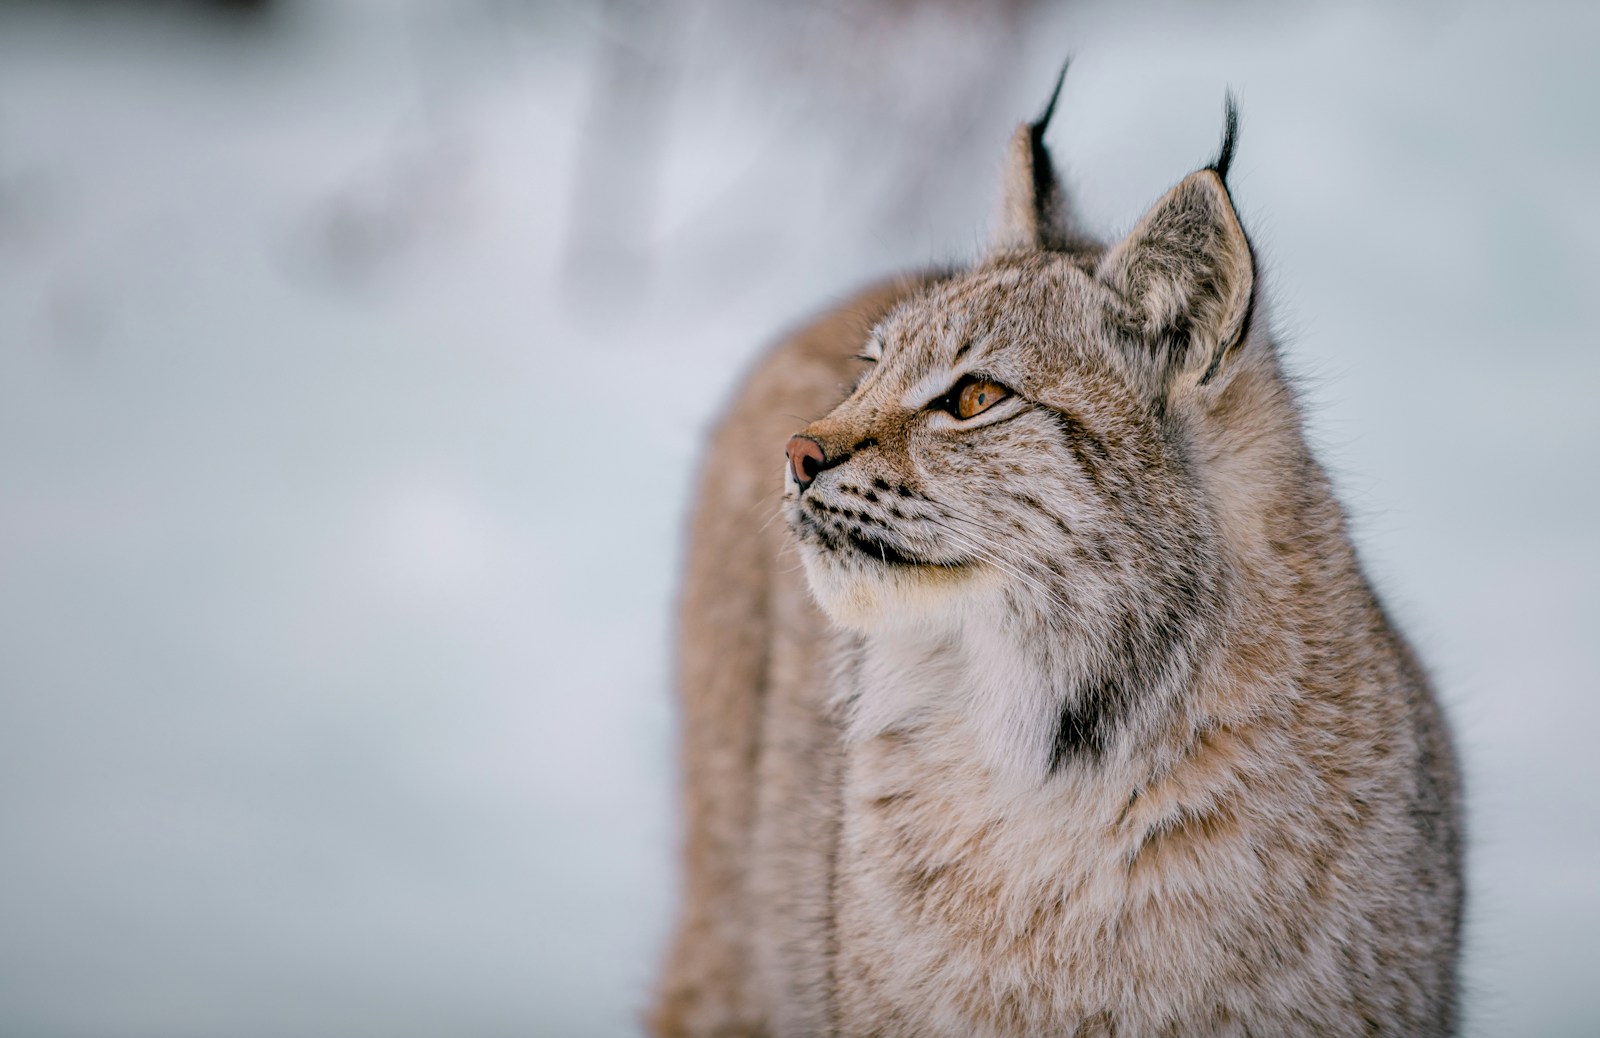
{"points": [[1034, 211], [1186, 270]]}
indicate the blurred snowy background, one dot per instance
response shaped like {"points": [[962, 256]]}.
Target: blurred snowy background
{"points": [[354, 359]]}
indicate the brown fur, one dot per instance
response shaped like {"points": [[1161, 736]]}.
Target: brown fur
{"points": [[1108, 734]]}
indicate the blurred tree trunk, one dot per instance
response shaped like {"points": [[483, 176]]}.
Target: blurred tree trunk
{"points": [[902, 87], [612, 217]]}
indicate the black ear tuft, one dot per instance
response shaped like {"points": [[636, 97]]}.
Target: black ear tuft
{"points": [[1035, 212], [1230, 137], [1039, 125], [1044, 173]]}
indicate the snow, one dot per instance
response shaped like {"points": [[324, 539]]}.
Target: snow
{"points": [[341, 487]]}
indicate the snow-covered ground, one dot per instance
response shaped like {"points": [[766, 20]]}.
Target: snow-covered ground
{"points": [[341, 479]]}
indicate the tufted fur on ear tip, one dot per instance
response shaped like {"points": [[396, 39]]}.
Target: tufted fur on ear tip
{"points": [[1035, 213], [1230, 138], [1186, 270]]}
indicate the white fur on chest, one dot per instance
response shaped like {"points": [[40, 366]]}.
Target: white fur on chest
{"points": [[965, 677], [961, 887], [979, 891]]}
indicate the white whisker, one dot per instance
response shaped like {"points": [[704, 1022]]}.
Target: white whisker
{"points": [[991, 553]]}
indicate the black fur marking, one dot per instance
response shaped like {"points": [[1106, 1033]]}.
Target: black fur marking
{"points": [[1098, 706], [1039, 125], [1081, 729], [1230, 139], [1224, 160], [1038, 506], [808, 523], [1083, 444], [864, 444], [1144, 655], [879, 483], [1045, 184], [810, 526], [882, 551]]}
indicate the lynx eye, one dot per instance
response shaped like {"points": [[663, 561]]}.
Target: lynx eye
{"points": [[974, 395]]}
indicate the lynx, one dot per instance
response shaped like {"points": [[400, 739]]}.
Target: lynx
{"points": [[1057, 703]]}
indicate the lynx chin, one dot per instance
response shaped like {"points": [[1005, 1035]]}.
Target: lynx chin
{"points": [[1056, 703]]}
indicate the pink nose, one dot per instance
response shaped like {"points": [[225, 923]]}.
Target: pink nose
{"points": [[805, 459]]}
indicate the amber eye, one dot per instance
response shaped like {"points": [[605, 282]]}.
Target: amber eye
{"points": [[976, 397]]}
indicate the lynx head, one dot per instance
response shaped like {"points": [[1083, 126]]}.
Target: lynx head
{"points": [[1036, 434]]}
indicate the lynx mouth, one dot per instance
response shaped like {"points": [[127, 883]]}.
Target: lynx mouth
{"points": [[883, 551], [856, 542]]}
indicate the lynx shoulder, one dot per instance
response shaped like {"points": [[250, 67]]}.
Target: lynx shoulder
{"points": [[1057, 703]]}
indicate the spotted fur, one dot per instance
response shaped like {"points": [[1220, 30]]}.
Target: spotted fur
{"points": [[1104, 733]]}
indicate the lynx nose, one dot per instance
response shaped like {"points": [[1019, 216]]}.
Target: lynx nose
{"points": [[805, 459]]}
